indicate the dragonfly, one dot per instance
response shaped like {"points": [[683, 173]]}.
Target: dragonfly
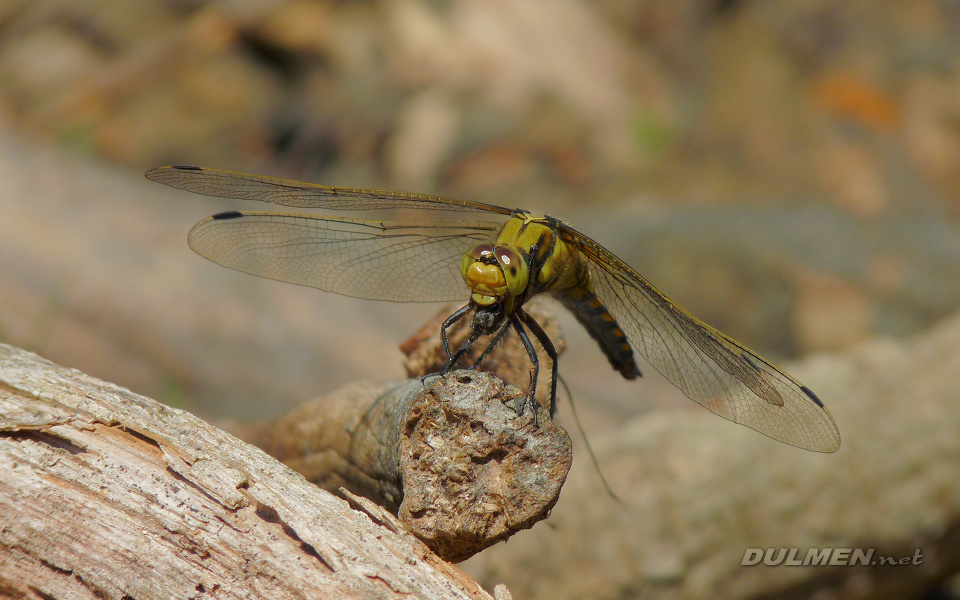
{"points": [[502, 257]]}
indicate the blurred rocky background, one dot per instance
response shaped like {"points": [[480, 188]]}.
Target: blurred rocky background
{"points": [[789, 170]]}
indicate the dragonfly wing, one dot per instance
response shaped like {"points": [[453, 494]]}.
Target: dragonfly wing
{"points": [[228, 184], [400, 261], [709, 367]]}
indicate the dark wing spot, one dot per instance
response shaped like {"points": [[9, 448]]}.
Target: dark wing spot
{"points": [[749, 360], [811, 395], [186, 168], [229, 214]]}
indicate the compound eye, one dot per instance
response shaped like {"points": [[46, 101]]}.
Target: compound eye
{"points": [[514, 269], [508, 257], [480, 251]]}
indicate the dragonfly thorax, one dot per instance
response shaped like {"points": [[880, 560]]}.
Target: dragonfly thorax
{"points": [[494, 272]]}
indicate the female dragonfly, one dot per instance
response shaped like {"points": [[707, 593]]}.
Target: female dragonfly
{"points": [[503, 263]]}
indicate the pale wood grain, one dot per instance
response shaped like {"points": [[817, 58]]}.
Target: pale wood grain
{"points": [[108, 494]]}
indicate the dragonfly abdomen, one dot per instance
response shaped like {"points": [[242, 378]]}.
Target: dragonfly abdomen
{"points": [[602, 327]]}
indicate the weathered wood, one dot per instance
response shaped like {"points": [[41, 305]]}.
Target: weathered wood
{"points": [[475, 472], [108, 494]]}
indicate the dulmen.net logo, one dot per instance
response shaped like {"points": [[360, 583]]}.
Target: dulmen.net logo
{"points": [[833, 557]]}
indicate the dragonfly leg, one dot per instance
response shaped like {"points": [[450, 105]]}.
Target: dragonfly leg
{"points": [[448, 366], [532, 353], [446, 325], [551, 351], [494, 342], [452, 361]]}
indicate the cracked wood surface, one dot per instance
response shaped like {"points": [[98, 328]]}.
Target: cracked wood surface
{"points": [[108, 494]]}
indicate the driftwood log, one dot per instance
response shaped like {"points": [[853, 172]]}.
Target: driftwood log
{"points": [[107, 494]]}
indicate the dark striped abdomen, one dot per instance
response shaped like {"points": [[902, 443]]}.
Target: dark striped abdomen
{"points": [[603, 328]]}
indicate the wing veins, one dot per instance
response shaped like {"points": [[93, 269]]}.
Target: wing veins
{"points": [[243, 186], [709, 367], [355, 257]]}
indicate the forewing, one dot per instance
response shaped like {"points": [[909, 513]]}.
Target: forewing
{"points": [[709, 367], [401, 261], [227, 184]]}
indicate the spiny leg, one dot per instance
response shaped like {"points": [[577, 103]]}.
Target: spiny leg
{"points": [[447, 324], [452, 361], [446, 343], [493, 342], [532, 353], [551, 351]]}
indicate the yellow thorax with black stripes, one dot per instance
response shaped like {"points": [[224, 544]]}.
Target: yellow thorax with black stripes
{"points": [[501, 270]]}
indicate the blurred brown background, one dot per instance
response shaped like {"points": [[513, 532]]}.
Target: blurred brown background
{"points": [[789, 170]]}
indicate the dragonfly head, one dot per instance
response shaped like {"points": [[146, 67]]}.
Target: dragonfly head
{"points": [[493, 272]]}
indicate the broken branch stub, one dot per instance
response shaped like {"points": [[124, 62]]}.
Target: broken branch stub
{"points": [[451, 456], [474, 471], [461, 468]]}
